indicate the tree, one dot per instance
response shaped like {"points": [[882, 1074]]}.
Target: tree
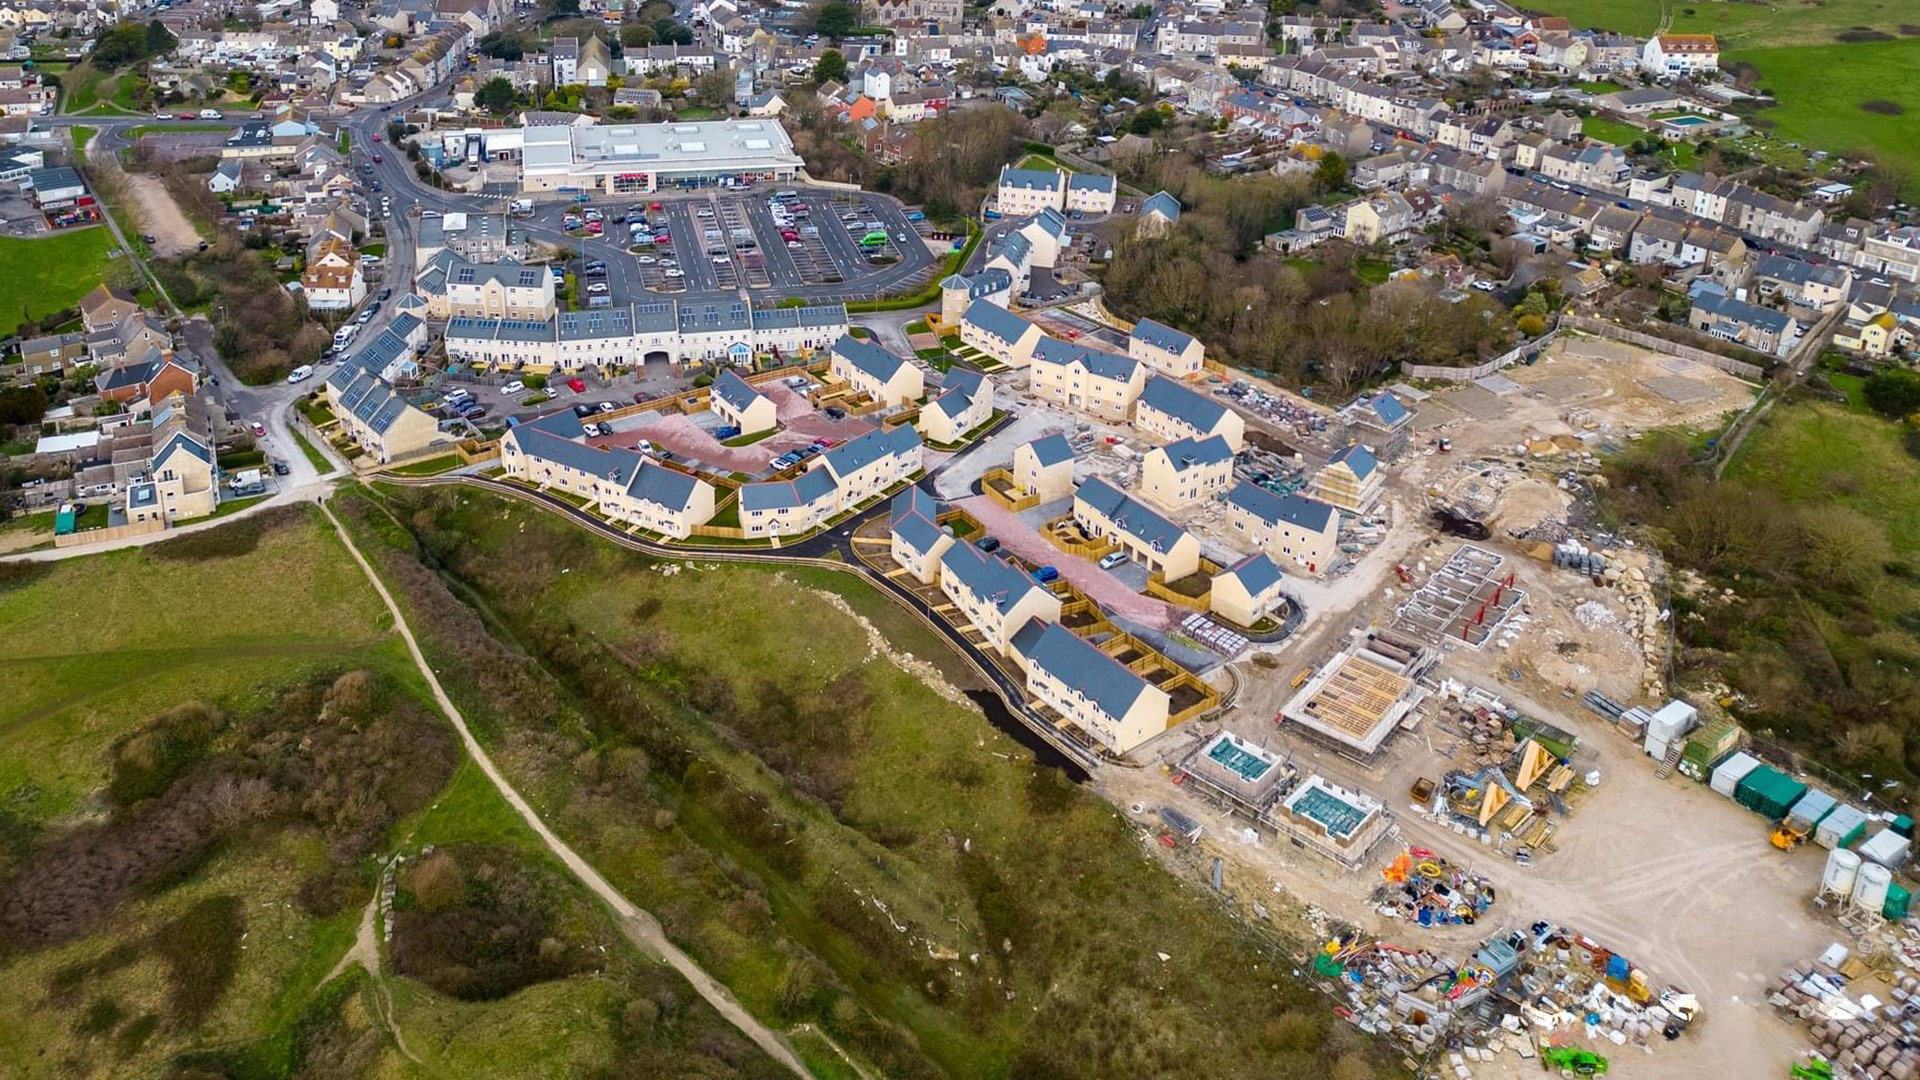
{"points": [[1894, 391], [831, 67], [160, 40], [1331, 173], [835, 19], [638, 35], [715, 88], [497, 96], [22, 404], [559, 9], [503, 45]]}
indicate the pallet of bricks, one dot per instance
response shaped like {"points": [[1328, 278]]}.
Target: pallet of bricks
{"points": [[1860, 1026]]}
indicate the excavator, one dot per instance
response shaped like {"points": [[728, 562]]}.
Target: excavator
{"points": [[1788, 835]]}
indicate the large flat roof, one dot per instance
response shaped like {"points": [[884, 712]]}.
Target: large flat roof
{"points": [[696, 146]]}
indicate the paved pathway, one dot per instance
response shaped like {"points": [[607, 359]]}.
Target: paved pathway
{"points": [[638, 925]]}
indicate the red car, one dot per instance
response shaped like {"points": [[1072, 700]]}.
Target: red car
{"points": [[642, 398], [577, 386], [259, 430], [655, 206], [376, 136], [186, 116]]}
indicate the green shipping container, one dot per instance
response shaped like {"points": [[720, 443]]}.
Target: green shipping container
{"points": [[1896, 906], [1769, 792], [1711, 743]]}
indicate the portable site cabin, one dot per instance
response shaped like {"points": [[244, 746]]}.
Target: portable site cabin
{"points": [[1728, 774], [1842, 828], [1812, 809], [1888, 848], [1707, 744], [1769, 792]]}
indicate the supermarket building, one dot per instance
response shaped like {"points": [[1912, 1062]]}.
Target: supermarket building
{"points": [[640, 159]]}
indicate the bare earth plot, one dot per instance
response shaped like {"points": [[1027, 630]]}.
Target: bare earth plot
{"points": [[161, 217]]}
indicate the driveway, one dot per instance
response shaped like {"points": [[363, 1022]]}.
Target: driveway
{"points": [[1024, 540]]}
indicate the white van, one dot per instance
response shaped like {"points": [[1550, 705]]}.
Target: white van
{"points": [[211, 114], [300, 374]]}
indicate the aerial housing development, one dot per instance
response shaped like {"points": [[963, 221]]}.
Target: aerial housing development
{"points": [[725, 519]]}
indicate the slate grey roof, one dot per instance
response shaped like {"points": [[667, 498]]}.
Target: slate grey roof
{"points": [[612, 463], [182, 443], [1130, 515], [850, 457], [1107, 365], [913, 517], [1089, 182], [1358, 458], [1161, 336], [804, 490], [867, 357], [1100, 678], [1782, 268], [1189, 452], [1741, 312], [1256, 573], [987, 577], [1181, 403], [1163, 204], [1052, 449], [963, 387], [662, 486], [738, 394], [1030, 179], [1297, 510], [991, 318]]}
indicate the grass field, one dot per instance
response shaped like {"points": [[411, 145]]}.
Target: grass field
{"points": [[732, 749], [1819, 80], [52, 272], [430, 466], [234, 629], [1823, 454], [1613, 131]]}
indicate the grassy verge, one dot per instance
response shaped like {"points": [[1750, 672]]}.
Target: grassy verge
{"points": [[176, 129], [430, 467], [750, 438], [320, 462], [82, 135]]}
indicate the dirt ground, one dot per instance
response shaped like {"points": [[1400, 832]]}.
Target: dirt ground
{"points": [[161, 217]]}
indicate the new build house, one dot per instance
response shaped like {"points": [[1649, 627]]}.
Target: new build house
{"points": [[1351, 479], [965, 402], [379, 421], [1029, 191], [1097, 693], [1098, 383], [875, 372], [916, 538], [1292, 530], [627, 486], [741, 406], [1044, 467], [1248, 591], [1171, 411], [999, 333], [840, 479], [1165, 350], [1186, 471], [1105, 512], [995, 596]]}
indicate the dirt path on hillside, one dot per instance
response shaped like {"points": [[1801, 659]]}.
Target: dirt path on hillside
{"points": [[161, 217], [639, 926]]}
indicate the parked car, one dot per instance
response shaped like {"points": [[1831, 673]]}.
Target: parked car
{"points": [[576, 385], [987, 544], [583, 410], [514, 387], [1113, 559], [834, 412], [606, 406], [641, 397], [1046, 574], [728, 432], [590, 430], [597, 286]]}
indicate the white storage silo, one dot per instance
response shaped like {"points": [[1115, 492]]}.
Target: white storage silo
{"points": [[1843, 870], [1870, 887]]}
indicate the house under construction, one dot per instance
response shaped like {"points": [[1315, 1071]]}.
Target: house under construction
{"points": [[1361, 696]]}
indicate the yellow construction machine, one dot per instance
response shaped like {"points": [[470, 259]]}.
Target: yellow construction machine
{"points": [[1788, 835]]}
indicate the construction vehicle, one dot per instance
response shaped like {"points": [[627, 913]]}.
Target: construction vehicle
{"points": [[1816, 1069], [1788, 835], [1572, 1062], [1422, 792]]}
